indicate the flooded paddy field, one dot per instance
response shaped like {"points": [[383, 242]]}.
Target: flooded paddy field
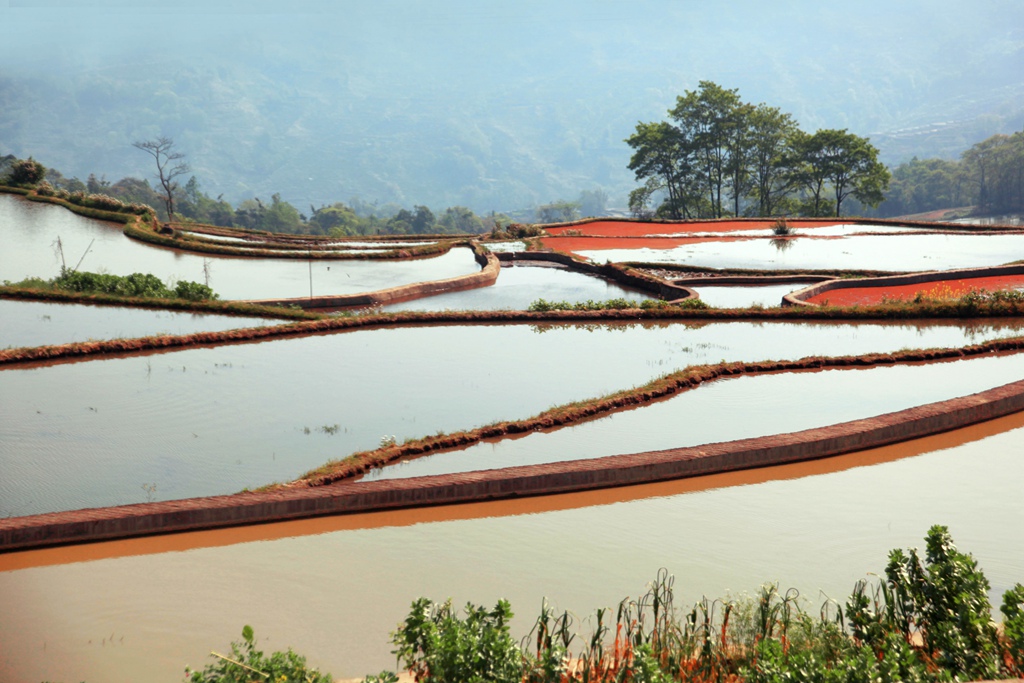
{"points": [[216, 420], [333, 588], [37, 323], [744, 296], [910, 252], [30, 231], [747, 228], [519, 286], [944, 289], [730, 409], [205, 421]]}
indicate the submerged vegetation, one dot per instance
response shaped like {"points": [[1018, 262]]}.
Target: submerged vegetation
{"points": [[928, 619]]}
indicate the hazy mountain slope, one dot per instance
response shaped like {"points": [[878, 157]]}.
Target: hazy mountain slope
{"points": [[492, 106]]}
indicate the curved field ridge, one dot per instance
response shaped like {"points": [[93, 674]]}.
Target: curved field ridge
{"points": [[628, 227], [616, 272], [944, 283], [578, 475], [176, 239], [487, 276], [41, 355]]}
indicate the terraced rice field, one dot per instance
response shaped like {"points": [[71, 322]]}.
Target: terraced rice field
{"points": [[164, 426]]}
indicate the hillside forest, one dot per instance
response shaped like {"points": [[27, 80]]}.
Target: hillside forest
{"points": [[716, 157]]}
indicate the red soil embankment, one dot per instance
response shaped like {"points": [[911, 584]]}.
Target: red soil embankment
{"points": [[642, 229], [935, 289]]}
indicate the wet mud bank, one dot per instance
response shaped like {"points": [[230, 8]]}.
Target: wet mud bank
{"points": [[301, 501]]}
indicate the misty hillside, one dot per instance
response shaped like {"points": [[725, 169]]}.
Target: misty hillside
{"points": [[493, 106]]}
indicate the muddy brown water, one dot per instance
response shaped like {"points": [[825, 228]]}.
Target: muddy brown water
{"points": [[906, 252], [216, 420], [30, 230], [333, 588], [38, 323]]}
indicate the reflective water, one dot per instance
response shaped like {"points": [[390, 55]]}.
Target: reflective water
{"points": [[736, 296], [730, 409], [215, 420], [36, 323], [841, 229], [333, 588], [911, 252], [519, 286], [29, 231]]}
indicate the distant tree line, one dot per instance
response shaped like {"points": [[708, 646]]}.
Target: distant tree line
{"points": [[719, 156], [191, 204], [988, 177]]}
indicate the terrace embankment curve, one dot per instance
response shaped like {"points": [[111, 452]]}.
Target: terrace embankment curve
{"points": [[623, 275], [486, 277], [99, 524], [801, 297]]}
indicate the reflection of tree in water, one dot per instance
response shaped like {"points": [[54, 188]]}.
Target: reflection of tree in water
{"points": [[782, 243]]}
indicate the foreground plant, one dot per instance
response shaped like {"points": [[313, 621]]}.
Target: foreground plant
{"points": [[246, 663], [929, 620]]}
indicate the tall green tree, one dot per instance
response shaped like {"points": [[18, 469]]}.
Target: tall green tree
{"points": [[843, 164], [710, 121], [771, 158]]}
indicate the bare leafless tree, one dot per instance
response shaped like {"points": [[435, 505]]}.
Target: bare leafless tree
{"points": [[169, 165]]}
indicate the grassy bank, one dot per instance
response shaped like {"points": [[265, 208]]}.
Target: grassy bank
{"points": [[39, 292]]}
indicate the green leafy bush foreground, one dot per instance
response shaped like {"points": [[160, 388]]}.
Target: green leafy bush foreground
{"points": [[144, 285], [928, 620]]}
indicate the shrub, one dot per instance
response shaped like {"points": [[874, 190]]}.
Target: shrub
{"points": [[26, 172], [1013, 629], [193, 291], [438, 646], [246, 664], [781, 227], [947, 598], [135, 285]]}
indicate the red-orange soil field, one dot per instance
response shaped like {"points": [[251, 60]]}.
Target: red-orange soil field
{"points": [[638, 229], [936, 289]]}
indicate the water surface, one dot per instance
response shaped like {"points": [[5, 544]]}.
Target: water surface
{"points": [[909, 252], [30, 230], [335, 591], [216, 420], [743, 296], [37, 323], [519, 286], [729, 409]]}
